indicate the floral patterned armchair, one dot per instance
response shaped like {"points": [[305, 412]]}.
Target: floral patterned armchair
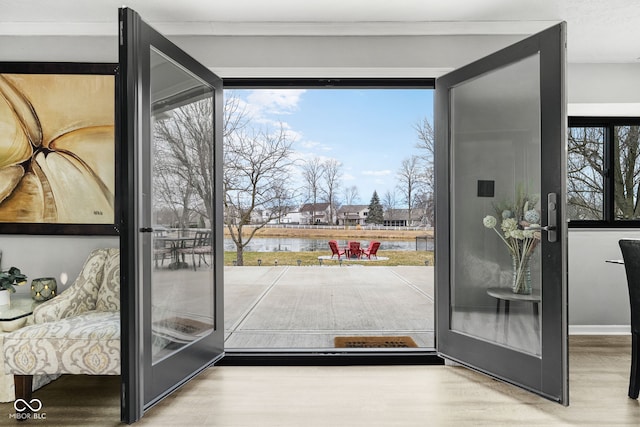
{"points": [[77, 332]]}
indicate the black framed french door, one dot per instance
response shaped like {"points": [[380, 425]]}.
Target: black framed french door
{"points": [[171, 128], [501, 263]]}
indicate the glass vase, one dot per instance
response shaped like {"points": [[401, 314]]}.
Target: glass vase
{"points": [[521, 283]]}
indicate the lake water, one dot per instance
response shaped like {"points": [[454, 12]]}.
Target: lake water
{"points": [[286, 244]]}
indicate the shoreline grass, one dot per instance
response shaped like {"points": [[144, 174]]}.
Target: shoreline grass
{"points": [[342, 233], [268, 259]]}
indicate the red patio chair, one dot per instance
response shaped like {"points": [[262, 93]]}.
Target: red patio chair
{"points": [[335, 250], [372, 250], [354, 250]]}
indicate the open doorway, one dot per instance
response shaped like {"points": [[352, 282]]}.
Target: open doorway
{"points": [[307, 163]]}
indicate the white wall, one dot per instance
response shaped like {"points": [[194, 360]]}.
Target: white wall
{"points": [[604, 83], [597, 294], [304, 56], [50, 256], [604, 89]]}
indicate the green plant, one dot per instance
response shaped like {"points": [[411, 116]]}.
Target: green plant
{"points": [[12, 277]]}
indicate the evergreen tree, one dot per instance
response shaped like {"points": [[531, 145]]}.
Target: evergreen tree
{"points": [[375, 215]]}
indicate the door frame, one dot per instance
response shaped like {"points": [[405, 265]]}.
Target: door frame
{"points": [[328, 356]]}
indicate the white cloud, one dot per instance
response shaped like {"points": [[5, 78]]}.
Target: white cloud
{"points": [[314, 145], [299, 155], [291, 134], [309, 144], [275, 101], [384, 172], [262, 108]]}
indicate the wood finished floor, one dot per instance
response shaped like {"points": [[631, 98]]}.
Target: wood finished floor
{"points": [[360, 396]]}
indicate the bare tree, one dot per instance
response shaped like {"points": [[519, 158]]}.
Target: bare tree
{"points": [[183, 160], [170, 194], [426, 145], [236, 116], [331, 174], [626, 173], [585, 171], [389, 200], [350, 195], [283, 197], [409, 182], [426, 203], [183, 157], [257, 168], [426, 140], [312, 172]]}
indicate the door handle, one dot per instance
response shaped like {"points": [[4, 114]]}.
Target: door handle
{"points": [[545, 228], [552, 219]]}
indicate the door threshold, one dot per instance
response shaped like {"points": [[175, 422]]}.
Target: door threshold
{"points": [[329, 357]]}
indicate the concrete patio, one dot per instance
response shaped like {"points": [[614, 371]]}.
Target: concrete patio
{"points": [[290, 307]]}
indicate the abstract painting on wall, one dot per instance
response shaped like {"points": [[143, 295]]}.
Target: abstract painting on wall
{"points": [[57, 151]]}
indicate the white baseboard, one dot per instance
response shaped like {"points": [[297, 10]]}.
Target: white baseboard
{"points": [[599, 329]]}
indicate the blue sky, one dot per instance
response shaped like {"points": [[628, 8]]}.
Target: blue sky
{"points": [[370, 131]]}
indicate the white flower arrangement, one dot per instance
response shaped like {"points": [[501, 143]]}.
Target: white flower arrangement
{"points": [[520, 232]]}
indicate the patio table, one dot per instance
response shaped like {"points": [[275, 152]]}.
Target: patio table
{"points": [[176, 243]]}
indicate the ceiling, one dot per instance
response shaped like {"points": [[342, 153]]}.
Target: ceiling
{"points": [[599, 31]]}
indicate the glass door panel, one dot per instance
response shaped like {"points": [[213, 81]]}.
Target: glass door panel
{"points": [[495, 207], [182, 142], [500, 231]]}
